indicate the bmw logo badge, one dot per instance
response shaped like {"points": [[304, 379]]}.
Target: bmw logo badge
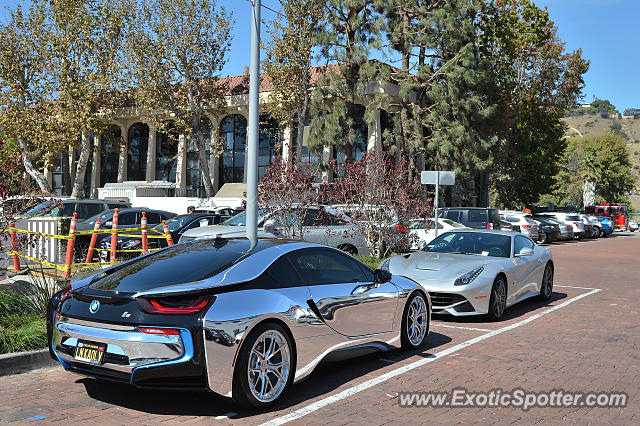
{"points": [[94, 306]]}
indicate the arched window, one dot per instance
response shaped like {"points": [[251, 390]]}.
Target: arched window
{"points": [[361, 131], [194, 177], [109, 150], [137, 152], [166, 154], [233, 132], [269, 143]]}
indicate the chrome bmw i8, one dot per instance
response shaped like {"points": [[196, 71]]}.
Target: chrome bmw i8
{"points": [[473, 271], [216, 314]]}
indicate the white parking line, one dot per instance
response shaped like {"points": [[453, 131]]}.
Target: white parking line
{"points": [[435, 324], [580, 288], [401, 370]]}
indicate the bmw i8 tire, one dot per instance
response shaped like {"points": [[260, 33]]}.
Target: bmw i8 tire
{"points": [[498, 299], [415, 322], [265, 367], [546, 288]]}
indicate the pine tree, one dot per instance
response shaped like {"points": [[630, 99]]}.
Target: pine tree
{"points": [[345, 43], [288, 63]]}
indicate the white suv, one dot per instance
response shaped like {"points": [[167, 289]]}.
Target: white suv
{"points": [[522, 222]]}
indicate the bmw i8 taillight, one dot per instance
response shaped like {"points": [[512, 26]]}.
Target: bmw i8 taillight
{"points": [[173, 305], [65, 294], [161, 331]]}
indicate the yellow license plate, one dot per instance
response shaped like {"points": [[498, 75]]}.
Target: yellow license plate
{"points": [[90, 352]]}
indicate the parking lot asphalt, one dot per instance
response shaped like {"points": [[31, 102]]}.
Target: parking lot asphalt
{"points": [[585, 339]]}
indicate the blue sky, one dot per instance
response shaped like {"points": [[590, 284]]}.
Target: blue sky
{"points": [[608, 31]]}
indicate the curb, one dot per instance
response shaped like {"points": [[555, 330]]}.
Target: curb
{"points": [[22, 362]]}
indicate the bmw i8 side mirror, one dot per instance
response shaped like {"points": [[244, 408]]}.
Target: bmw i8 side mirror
{"points": [[421, 245], [381, 276]]}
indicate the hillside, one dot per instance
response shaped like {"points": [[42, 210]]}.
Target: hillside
{"points": [[582, 125]]}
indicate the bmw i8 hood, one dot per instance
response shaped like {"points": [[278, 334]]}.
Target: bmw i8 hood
{"points": [[423, 266]]}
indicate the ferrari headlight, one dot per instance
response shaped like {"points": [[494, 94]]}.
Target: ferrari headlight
{"points": [[130, 244], [469, 276], [384, 265]]}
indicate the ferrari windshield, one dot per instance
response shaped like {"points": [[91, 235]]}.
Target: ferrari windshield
{"points": [[472, 243]]}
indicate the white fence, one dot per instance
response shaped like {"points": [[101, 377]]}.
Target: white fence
{"points": [[45, 248]]}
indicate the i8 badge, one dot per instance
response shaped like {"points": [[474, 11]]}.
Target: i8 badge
{"points": [[94, 306]]}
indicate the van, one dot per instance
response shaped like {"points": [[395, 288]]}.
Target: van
{"points": [[472, 217]]}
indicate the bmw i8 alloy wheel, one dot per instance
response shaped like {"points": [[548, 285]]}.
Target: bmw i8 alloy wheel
{"points": [[264, 367], [498, 301], [415, 322]]}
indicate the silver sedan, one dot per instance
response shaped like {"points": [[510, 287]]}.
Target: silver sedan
{"points": [[471, 272]]}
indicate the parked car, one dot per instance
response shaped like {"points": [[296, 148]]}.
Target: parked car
{"points": [[177, 226], [127, 218], [633, 226], [323, 225], [422, 231], [566, 230], [571, 219], [471, 271], [221, 210], [606, 225], [523, 223], [67, 206], [472, 217], [550, 229], [590, 229], [211, 315]]}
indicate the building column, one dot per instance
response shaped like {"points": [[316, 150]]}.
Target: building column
{"points": [[181, 166], [287, 144], [214, 159], [122, 159], [151, 153], [327, 155], [96, 165], [374, 139]]}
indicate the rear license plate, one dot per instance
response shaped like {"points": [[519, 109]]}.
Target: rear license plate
{"points": [[90, 352]]}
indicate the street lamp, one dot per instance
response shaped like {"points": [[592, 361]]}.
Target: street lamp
{"points": [[253, 127]]}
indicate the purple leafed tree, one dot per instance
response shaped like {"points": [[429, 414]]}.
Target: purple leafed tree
{"points": [[378, 195]]}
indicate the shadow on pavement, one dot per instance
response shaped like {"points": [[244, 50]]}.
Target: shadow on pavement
{"points": [[327, 376]]}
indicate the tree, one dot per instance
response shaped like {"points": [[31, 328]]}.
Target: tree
{"points": [[534, 82], [286, 190], [598, 164], [345, 42], [378, 197], [85, 41], [23, 83], [289, 53], [456, 111], [177, 50], [60, 66]]}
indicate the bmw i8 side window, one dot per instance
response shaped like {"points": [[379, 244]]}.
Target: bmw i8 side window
{"points": [[284, 274], [326, 267]]}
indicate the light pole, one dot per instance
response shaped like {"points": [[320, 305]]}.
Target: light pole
{"points": [[253, 127]]}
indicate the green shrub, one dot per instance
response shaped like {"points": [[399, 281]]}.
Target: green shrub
{"points": [[20, 333], [371, 262], [14, 303]]}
